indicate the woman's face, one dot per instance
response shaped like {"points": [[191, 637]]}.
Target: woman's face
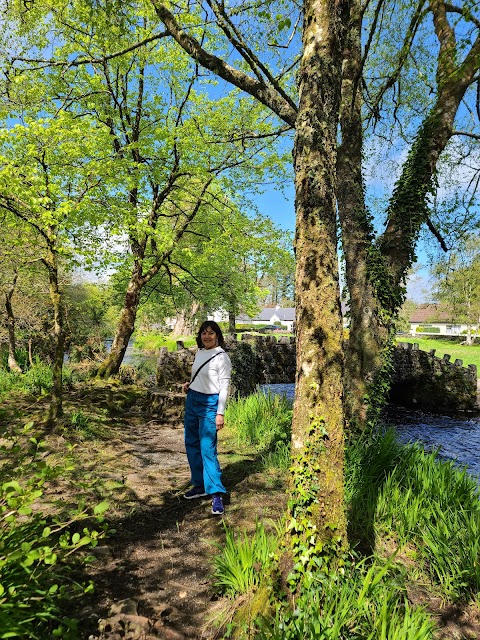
{"points": [[208, 338]]}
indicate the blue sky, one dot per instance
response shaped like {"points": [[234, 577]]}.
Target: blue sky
{"points": [[280, 207]]}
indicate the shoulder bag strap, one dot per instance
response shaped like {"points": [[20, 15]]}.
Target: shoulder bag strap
{"points": [[202, 365]]}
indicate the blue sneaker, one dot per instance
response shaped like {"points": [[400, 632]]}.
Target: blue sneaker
{"points": [[194, 492], [217, 505]]}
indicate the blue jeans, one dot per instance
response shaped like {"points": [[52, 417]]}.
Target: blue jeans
{"points": [[201, 441]]}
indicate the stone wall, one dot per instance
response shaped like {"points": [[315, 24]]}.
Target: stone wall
{"points": [[420, 379], [423, 380]]}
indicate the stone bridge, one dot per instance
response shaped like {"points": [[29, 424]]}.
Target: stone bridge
{"points": [[420, 379]]}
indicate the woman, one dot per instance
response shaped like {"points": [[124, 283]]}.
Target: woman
{"points": [[207, 394]]}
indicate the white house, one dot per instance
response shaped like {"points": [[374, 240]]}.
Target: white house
{"points": [[436, 320], [271, 315], [284, 315]]}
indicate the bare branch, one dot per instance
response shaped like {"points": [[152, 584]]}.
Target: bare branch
{"points": [[81, 61], [468, 134], [267, 95], [437, 235], [415, 22]]}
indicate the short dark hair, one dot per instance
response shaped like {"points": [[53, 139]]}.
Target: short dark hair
{"points": [[213, 325]]}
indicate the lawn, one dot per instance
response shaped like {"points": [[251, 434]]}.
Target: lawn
{"points": [[468, 355]]}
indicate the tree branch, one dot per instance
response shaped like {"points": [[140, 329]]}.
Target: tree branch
{"points": [[81, 61], [267, 95], [437, 234], [475, 136]]}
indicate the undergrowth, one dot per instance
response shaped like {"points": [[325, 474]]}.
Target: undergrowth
{"points": [[40, 551]]}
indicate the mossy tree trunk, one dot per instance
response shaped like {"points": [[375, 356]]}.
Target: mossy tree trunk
{"points": [[126, 324], [317, 496], [363, 354]]}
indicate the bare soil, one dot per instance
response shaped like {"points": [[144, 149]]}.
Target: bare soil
{"points": [[153, 574]]}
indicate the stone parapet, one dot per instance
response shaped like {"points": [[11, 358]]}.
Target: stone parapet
{"points": [[425, 381], [420, 379]]}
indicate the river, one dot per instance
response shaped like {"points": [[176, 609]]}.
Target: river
{"points": [[457, 438], [133, 358]]}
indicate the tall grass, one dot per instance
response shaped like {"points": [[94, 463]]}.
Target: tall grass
{"points": [[363, 602], [244, 560], [419, 502], [261, 420], [36, 380], [418, 499]]}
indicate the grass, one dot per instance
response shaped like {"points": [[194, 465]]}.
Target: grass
{"points": [[263, 421], [425, 504], [414, 519], [153, 342], [468, 354]]}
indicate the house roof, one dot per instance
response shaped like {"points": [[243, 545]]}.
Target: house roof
{"points": [[265, 315], [430, 313], [282, 313]]}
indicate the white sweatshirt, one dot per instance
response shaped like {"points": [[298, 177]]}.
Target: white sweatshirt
{"points": [[214, 376]]}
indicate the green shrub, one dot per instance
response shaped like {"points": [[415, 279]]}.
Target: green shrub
{"points": [[427, 330]]}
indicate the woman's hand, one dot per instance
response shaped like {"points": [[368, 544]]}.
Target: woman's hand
{"points": [[185, 386], [219, 421]]}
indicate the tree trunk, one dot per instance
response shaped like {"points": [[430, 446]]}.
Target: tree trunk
{"points": [[231, 321], [56, 403], [12, 361], [185, 321], [364, 351], [125, 328], [317, 493]]}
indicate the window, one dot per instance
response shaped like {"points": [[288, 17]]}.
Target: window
{"points": [[453, 329]]}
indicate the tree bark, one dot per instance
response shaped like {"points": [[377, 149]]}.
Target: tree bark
{"points": [[12, 360], [363, 353], [56, 403], [185, 321], [318, 418], [126, 325], [231, 321]]}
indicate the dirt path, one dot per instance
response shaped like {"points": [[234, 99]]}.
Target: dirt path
{"points": [[153, 578]]}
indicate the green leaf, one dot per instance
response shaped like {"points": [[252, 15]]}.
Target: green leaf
{"points": [[101, 508]]}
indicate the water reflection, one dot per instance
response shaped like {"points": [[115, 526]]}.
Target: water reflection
{"points": [[456, 438], [132, 358]]}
